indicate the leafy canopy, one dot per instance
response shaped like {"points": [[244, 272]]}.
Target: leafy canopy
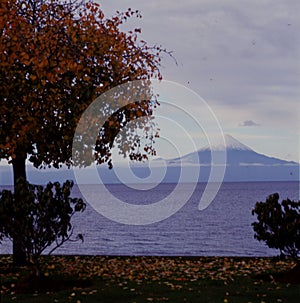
{"points": [[56, 57]]}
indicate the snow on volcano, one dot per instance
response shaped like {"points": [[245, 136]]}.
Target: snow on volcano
{"points": [[230, 144]]}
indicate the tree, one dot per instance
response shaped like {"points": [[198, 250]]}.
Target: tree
{"points": [[279, 225], [43, 216], [56, 57]]}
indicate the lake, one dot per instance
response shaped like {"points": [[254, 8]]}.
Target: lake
{"points": [[222, 229]]}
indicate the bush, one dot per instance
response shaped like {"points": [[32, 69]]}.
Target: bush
{"points": [[279, 225], [39, 217]]}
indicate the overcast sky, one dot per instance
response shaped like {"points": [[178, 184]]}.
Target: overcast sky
{"points": [[241, 57]]}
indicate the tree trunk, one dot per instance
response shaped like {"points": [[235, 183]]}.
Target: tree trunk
{"points": [[19, 170]]}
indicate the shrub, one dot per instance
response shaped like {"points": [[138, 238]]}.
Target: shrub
{"points": [[39, 217], [279, 225]]}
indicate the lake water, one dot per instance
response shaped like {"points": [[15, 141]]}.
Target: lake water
{"points": [[222, 229]]}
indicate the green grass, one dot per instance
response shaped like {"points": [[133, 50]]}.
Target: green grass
{"points": [[153, 279]]}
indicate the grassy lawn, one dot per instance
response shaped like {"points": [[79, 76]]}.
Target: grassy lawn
{"points": [[152, 279]]}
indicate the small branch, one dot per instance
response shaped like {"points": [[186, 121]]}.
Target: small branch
{"points": [[61, 243]]}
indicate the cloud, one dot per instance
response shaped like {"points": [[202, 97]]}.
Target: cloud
{"points": [[249, 123]]}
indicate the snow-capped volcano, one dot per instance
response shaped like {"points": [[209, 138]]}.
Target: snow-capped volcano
{"points": [[233, 153], [230, 144], [242, 163], [234, 149]]}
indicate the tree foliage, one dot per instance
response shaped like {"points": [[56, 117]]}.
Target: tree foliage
{"points": [[41, 214], [56, 57], [278, 225]]}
